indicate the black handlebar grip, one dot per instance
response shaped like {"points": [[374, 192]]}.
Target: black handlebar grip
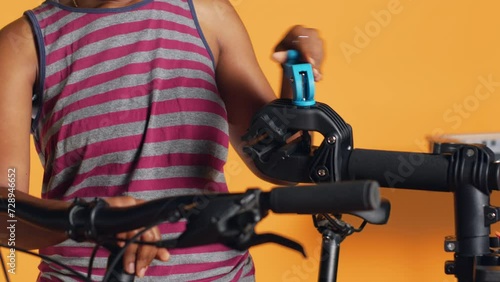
{"points": [[407, 170], [341, 197]]}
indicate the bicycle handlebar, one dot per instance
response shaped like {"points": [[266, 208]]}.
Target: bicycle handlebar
{"points": [[342, 197], [228, 219]]}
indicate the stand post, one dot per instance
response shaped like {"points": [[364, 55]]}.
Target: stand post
{"points": [[329, 256], [472, 233]]}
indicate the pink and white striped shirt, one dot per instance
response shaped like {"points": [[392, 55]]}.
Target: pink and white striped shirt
{"points": [[127, 104]]}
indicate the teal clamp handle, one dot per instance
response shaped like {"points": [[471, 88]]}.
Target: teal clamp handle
{"points": [[302, 79]]}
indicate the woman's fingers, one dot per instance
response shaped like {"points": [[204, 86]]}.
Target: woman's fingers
{"points": [[129, 257], [309, 44], [137, 257], [145, 253]]}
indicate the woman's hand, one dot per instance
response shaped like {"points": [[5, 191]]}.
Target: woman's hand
{"points": [[138, 257], [309, 44]]}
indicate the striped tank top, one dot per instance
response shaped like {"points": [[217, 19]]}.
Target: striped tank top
{"points": [[126, 103]]}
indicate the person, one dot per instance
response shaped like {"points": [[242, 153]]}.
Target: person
{"points": [[131, 100]]}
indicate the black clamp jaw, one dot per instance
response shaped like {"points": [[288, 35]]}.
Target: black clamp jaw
{"points": [[271, 144], [278, 139]]}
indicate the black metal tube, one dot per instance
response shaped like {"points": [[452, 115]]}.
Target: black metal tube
{"points": [[116, 220], [471, 231], [330, 250], [43, 216]]}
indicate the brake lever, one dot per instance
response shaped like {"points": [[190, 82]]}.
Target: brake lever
{"points": [[258, 239], [228, 220]]}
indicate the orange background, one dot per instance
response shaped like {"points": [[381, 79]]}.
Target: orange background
{"points": [[397, 71]]}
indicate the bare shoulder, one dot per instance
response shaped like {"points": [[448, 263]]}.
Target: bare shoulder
{"points": [[219, 21], [17, 32], [17, 44], [219, 14], [216, 8], [18, 60]]}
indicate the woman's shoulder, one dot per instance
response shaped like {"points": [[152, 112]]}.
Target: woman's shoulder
{"points": [[17, 39]]}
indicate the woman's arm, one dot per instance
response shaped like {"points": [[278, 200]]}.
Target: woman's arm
{"points": [[27, 235], [240, 80], [18, 69]]}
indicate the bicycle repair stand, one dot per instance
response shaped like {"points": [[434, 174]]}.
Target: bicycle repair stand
{"points": [[332, 228], [476, 255], [468, 171]]}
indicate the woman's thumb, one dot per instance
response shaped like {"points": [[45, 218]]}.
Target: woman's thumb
{"points": [[280, 56]]}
